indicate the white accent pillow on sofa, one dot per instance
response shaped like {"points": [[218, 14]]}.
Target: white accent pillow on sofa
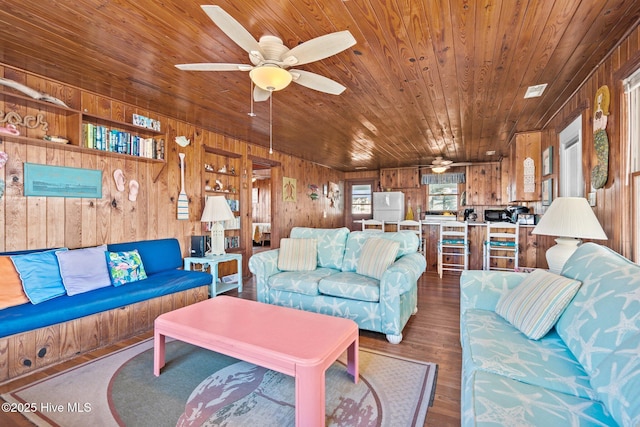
{"points": [[376, 256], [536, 304], [298, 255]]}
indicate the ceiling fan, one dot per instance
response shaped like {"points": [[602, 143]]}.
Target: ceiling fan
{"points": [[270, 58], [439, 165]]}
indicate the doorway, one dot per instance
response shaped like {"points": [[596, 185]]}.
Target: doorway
{"points": [[261, 200], [358, 202]]}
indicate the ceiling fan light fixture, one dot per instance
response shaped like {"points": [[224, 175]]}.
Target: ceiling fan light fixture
{"points": [[270, 77], [439, 169]]}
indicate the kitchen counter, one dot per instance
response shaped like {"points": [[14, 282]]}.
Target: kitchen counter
{"points": [[477, 234]]}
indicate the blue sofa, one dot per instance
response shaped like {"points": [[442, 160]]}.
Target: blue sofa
{"points": [[335, 288], [585, 371], [36, 334]]}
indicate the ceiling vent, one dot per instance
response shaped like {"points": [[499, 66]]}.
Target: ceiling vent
{"points": [[535, 91]]}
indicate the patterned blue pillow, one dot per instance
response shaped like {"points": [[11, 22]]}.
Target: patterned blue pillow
{"points": [[125, 267]]}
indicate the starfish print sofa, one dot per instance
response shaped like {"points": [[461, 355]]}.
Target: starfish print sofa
{"points": [[585, 371], [358, 275]]}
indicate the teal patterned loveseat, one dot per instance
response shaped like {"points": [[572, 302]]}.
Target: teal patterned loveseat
{"points": [[584, 372], [335, 288]]}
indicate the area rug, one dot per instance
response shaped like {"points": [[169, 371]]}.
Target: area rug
{"points": [[198, 387]]}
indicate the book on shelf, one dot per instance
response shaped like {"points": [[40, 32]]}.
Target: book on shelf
{"points": [[116, 141], [234, 205], [231, 242]]}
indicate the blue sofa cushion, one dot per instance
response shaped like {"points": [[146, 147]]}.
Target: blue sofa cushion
{"points": [[617, 382], [351, 286], [157, 255], [300, 282], [28, 316], [604, 312], [494, 345], [408, 241], [331, 243], [501, 401]]}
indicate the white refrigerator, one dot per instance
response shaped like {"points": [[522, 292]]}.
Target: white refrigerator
{"points": [[388, 206]]}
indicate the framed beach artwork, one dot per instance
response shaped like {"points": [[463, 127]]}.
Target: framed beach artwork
{"points": [[61, 181], [289, 189], [547, 161], [547, 192]]}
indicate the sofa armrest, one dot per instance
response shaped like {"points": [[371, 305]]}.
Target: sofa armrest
{"points": [[264, 265], [482, 289], [402, 275]]}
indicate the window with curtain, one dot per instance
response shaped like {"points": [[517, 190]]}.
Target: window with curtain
{"points": [[443, 197]]}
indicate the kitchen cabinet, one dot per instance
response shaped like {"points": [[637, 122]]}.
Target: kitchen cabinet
{"points": [[399, 178], [525, 164]]}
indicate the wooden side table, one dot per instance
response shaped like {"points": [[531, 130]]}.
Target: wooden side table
{"points": [[212, 262]]}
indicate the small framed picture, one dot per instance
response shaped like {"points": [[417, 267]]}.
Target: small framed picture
{"points": [[547, 192], [547, 161]]}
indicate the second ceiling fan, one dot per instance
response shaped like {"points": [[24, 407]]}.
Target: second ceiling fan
{"points": [[271, 59]]}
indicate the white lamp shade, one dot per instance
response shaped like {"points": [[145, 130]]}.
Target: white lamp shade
{"points": [[570, 217], [216, 208], [270, 77]]}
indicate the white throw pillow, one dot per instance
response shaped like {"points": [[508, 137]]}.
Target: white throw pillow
{"points": [[376, 256], [536, 304], [298, 254]]}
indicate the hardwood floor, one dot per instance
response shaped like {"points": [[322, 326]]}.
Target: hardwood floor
{"points": [[431, 335]]}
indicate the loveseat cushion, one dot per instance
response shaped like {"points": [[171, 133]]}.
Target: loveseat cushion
{"points": [[407, 240], [494, 400], [493, 345], [331, 243], [300, 282], [377, 255], [298, 254], [617, 382], [28, 317], [604, 312], [351, 285], [535, 305]]}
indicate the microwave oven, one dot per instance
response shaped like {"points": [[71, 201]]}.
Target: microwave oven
{"points": [[494, 215]]}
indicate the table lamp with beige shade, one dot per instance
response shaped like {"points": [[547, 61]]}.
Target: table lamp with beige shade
{"points": [[216, 210], [570, 219]]}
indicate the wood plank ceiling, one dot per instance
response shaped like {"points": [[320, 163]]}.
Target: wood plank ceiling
{"points": [[426, 78]]}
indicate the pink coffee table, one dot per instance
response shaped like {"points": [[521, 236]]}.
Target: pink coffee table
{"points": [[294, 342]]}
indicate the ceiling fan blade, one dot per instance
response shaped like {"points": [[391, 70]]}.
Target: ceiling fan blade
{"points": [[205, 66], [317, 82], [461, 164], [232, 28], [319, 48], [260, 94]]}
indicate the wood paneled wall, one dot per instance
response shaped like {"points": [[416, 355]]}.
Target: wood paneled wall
{"points": [[44, 222], [261, 211], [613, 207]]}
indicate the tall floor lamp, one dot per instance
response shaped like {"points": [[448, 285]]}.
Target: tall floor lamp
{"points": [[216, 210], [571, 219]]}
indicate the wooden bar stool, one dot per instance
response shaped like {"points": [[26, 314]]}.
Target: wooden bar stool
{"points": [[501, 246], [453, 246]]}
